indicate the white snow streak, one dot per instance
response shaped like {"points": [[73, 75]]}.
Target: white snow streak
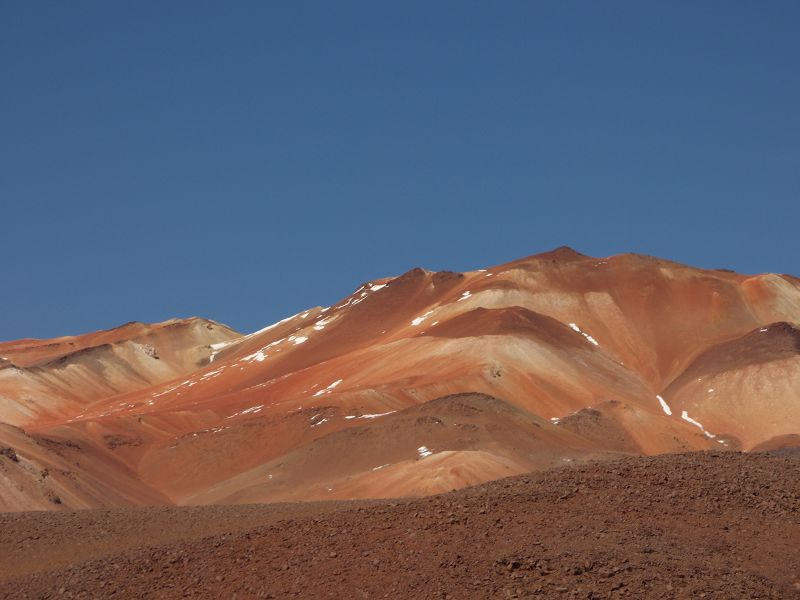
{"points": [[420, 319], [188, 383], [685, 416], [320, 325], [217, 348], [370, 416], [586, 335], [423, 451], [259, 356], [268, 327], [329, 388], [247, 411], [212, 374], [665, 407]]}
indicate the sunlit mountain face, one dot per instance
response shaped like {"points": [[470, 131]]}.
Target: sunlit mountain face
{"points": [[413, 385]]}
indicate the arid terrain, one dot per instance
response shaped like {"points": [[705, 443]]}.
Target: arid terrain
{"points": [[413, 385], [558, 426], [701, 525]]}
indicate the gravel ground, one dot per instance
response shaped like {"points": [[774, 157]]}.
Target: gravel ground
{"points": [[703, 525]]}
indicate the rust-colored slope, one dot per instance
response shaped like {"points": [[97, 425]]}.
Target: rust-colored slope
{"points": [[53, 380], [171, 337], [49, 473], [499, 439], [602, 354], [748, 387]]}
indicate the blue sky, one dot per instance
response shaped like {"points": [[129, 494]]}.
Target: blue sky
{"points": [[242, 161]]}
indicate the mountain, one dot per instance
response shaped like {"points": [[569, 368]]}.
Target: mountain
{"points": [[412, 385]]}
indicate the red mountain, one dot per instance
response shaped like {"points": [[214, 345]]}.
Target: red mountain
{"points": [[412, 385]]}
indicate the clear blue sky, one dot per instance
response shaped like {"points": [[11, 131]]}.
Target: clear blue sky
{"points": [[242, 161]]}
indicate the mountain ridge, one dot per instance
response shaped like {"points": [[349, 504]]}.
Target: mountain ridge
{"points": [[587, 347]]}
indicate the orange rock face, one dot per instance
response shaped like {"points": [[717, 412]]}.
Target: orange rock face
{"points": [[412, 385]]}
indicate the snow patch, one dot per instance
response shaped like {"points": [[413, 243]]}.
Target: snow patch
{"points": [[464, 296], [212, 374], [268, 327], [586, 335], [685, 416], [187, 383], [252, 410], [362, 292], [418, 320], [664, 406], [370, 416], [329, 388], [258, 356], [423, 451], [217, 348], [320, 325]]}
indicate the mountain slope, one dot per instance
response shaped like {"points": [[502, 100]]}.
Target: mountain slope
{"points": [[553, 358], [53, 379]]}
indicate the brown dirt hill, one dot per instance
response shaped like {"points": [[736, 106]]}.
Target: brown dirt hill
{"points": [[44, 472], [700, 525]]}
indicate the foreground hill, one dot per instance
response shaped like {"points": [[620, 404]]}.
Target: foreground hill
{"points": [[412, 385], [701, 525]]}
